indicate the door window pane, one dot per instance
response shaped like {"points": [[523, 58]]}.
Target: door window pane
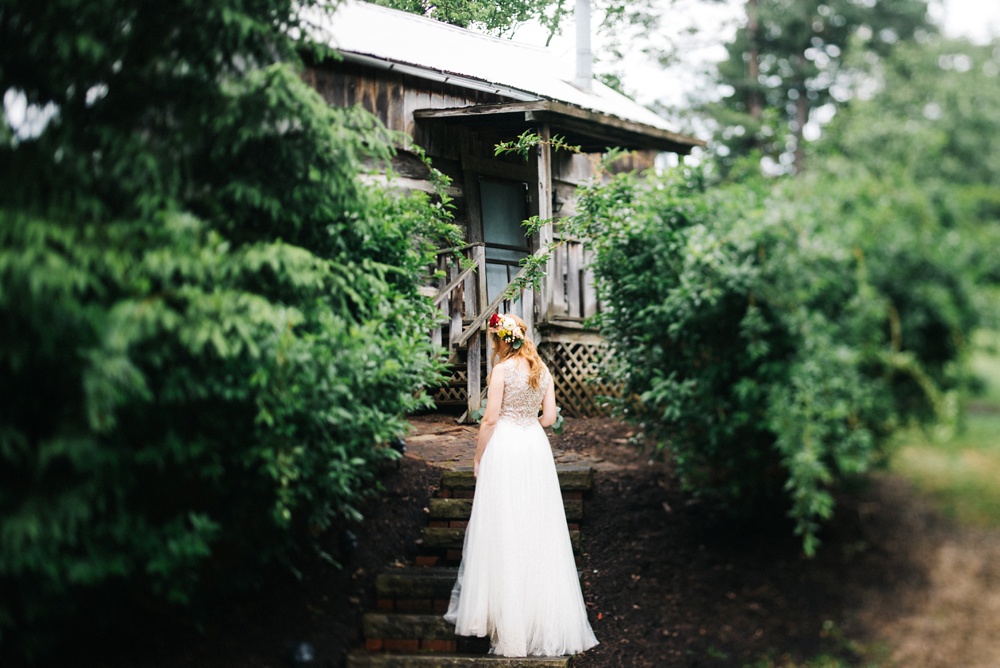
{"points": [[504, 209]]}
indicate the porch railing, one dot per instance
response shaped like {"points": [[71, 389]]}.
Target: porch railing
{"points": [[572, 294], [463, 299]]}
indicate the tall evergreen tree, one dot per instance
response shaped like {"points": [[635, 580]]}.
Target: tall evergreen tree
{"points": [[787, 61], [494, 17]]}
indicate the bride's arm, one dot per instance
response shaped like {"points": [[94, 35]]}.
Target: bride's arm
{"points": [[549, 413], [494, 397]]}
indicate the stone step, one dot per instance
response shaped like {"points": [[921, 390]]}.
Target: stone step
{"points": [[415, 590], [362, 659], [442, 538], [460, 509], [415, 583], [572, 478], [396, 626], [429, 583]]}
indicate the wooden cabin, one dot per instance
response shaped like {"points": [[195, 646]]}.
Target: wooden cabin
{"points": [[458, 93]]}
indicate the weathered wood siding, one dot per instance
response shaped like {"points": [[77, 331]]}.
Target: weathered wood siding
{"points": [[455, 150], [393, 97], [462, 154]]}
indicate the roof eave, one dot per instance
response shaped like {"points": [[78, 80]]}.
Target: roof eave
{"points": [[593, 131], [438, 75]]}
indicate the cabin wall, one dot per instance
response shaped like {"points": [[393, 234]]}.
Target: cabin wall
{"points": [[455, 150], [570, 350]]}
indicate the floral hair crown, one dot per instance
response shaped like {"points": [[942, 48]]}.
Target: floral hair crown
{"points": [[507, 329]]}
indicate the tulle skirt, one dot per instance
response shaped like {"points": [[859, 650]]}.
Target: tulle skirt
{"points": [[518, 582]]}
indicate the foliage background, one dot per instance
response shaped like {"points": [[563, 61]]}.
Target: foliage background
{"points": [[770, 336], [210, 326]]}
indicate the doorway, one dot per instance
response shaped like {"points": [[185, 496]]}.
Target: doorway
{"points": [[504, 207]]}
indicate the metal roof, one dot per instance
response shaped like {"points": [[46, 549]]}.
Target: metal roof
{"points": [[423, 47]]}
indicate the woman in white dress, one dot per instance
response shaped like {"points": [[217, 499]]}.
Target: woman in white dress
{"points": [[518, 582]]}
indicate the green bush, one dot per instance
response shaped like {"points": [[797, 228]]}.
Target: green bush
{"points": [[769, 337], [210, 326]]}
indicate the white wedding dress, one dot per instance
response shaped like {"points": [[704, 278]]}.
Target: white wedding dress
{"points": [[518, 582]]}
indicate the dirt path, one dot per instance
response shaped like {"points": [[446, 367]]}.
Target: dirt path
{"points": [[669, 583], [949, 613]]}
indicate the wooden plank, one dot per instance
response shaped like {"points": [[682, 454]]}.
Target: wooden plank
{"points": [[480, 320], [567, 111], [469, 290], [479, 257], [480, 110], [395, 113], [589, 287], [573, 267], [528, 308], [473, 373], [557, 290], [603, 129], [381, 94], [572, 169], [404, 184], [476, 299], [474, 214], [455, 308], [570, 332], [408, 165], [497, 168], [360, 658]]}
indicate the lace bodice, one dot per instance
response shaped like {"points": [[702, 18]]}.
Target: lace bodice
{"points": [[520, 402]]}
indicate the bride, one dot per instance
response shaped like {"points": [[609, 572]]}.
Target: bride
{"points": [[518, 582]]}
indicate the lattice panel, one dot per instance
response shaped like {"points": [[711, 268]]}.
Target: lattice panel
{"points": [[574, 367], [454, 392]]}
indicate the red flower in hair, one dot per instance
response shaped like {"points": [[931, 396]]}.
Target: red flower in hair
{"points": [[494, 320]]}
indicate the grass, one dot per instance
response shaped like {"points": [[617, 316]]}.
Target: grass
{"points": [[843, 653], [818, 662], [986, 363], [962, 473]]}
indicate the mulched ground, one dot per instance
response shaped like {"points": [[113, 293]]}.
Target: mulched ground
{"points": [[668, 581]]}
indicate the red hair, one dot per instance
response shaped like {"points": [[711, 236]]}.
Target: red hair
{"points": [[503, 351]]}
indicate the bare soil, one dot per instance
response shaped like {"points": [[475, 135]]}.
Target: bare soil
{"points": [[669, 582]]}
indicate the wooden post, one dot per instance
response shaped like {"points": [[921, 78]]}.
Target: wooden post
{"points": [[545, 234], [474, 387]]}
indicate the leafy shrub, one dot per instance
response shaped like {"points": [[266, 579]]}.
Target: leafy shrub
{"points": [[209, 325], [769, 338]]}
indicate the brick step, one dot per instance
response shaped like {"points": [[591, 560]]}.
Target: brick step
{"points": [[572, 478], [415, 589], [399, 626], [447, 538], [460, 509], [361, 659], [398, 632], [416, 583]]}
